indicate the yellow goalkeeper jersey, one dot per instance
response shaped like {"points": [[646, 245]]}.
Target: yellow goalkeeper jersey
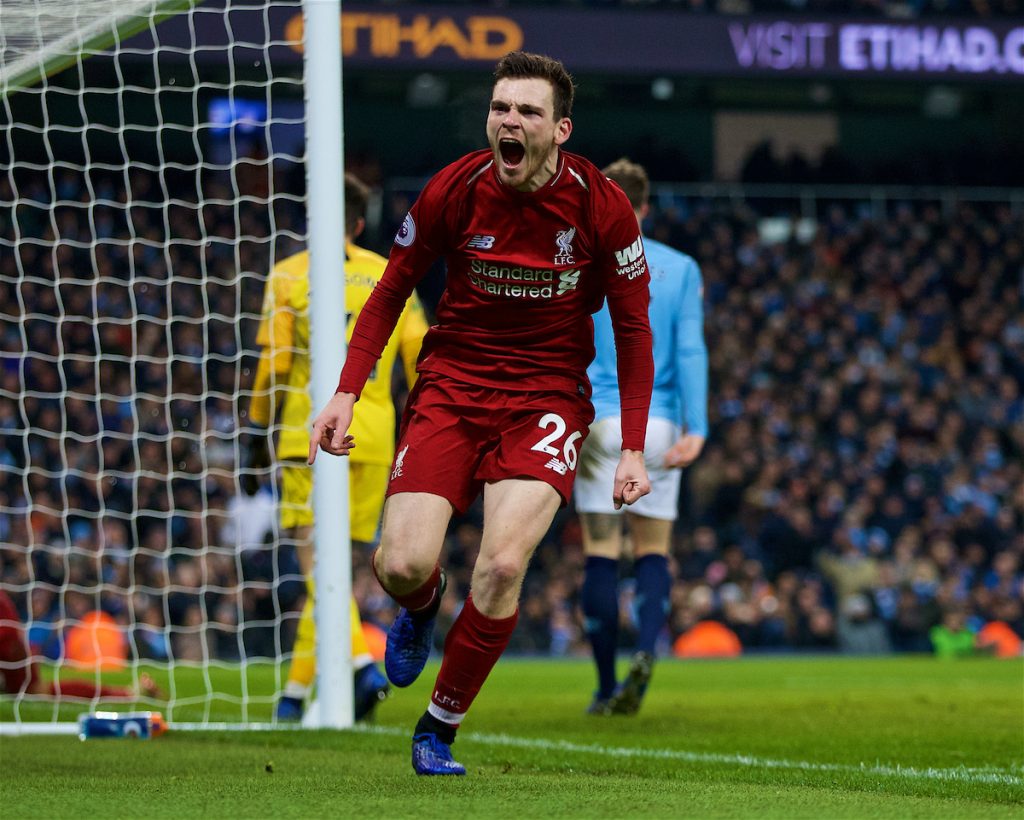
{"points": [[283, 375]]}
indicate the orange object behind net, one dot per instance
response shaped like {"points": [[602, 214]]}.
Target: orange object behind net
{"points": [[708, 639], [1001, 638], [97, 642]]}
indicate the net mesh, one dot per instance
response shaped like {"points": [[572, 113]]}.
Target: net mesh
{"points": [[145, 193]]}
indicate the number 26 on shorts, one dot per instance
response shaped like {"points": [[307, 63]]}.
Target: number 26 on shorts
{"points": [[556, 425]]}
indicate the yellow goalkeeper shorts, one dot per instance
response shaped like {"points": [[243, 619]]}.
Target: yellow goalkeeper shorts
{"points": [[367, 485]]}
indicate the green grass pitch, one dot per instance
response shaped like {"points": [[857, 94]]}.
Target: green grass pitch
{"points": [[758, 737]]}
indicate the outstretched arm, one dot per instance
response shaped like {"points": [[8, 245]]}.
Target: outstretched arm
{"points": [[635, 364], [330, 428], [373, 328]]}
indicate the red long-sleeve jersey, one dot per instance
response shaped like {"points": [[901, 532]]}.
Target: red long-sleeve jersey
{"points": [[525, 273]]}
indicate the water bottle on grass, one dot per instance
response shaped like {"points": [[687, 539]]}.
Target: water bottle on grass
{"points": [[141, 725]]}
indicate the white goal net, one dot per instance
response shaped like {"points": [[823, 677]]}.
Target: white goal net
{"points": [[151, 172]]}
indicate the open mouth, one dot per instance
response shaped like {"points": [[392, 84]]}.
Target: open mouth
{"points": [[512, 152]]}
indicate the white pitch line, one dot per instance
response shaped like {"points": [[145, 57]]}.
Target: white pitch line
{"points": [[962, 774]]}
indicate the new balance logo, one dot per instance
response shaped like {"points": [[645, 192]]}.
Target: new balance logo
{"points": [[630, 254], [558, 466], [481, 241], [568, 280]]}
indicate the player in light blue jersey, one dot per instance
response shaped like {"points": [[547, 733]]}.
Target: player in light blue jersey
{"points": [[676, 430]]}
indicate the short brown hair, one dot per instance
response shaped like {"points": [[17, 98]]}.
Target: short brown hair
{"points": [[524, 65], [632, 179], [357, 196]]}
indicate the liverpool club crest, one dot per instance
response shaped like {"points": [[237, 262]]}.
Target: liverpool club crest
{"points": [[563, 240]]}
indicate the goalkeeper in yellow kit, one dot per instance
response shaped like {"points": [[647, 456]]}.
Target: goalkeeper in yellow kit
{"points": [[282, 386]]}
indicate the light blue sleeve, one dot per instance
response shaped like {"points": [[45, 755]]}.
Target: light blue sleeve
{"points": [[692, 353], [603, 371]]}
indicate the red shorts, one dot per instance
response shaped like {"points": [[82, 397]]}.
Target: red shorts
{"points": [[455, 437]]}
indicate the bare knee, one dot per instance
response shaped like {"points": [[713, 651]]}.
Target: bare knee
{"points": [[500, 574], [400, 571]]}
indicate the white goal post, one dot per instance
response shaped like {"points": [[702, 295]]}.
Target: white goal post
{"points": [[157, 159]]}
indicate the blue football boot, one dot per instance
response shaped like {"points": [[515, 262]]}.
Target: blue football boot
{"points": [[370, 687], [431, 756], [409, 640], [289, 708]]}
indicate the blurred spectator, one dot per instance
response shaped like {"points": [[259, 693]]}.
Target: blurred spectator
{"points": [[858, 630], [951, 638], [994, 164], [150, 637]]}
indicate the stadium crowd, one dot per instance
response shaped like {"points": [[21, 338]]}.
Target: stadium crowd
{"points": [[998, 165], [862, 485]]}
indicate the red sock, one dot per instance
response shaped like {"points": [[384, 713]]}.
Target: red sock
{"points": [[421, 597], [87, 690], [473, 646]]}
